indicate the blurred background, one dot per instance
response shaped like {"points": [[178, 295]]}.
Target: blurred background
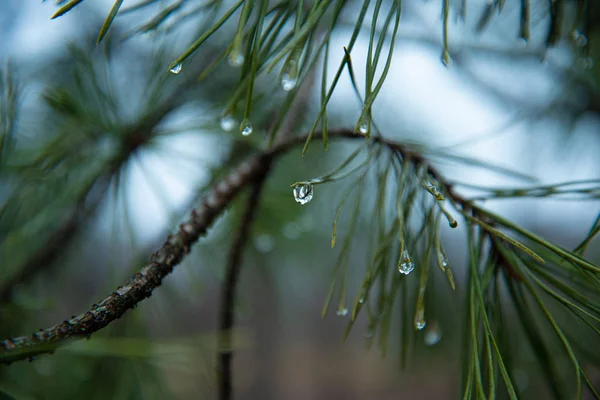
{"points": [[83, 212]]}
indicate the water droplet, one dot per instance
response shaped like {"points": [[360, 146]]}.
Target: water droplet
{"points": [[363, 125], [433, 334], [522, 42], [246, 127], [341, 311], [289, 72], [444, 260], [369, 331], [363, 128], [361, 299], [236, 59], [288, 82], [264, 243], [420, 319], [227, 122], [447, 59], [176, 69], [303, 192], [406, 264], [579, 38]]}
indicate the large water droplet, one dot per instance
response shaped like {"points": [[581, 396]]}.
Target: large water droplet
{"points": [[420, 319], [176, 69], [341, 311], [433, 334], [406, 264], [246, 127], [227, 122], [303, 192], [236, 59]]}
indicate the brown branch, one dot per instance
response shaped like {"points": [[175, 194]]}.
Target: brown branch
{"points": [[141, 285], [177, 245], [228, 293]]}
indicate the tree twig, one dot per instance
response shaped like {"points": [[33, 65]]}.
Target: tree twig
{"points": [[228, 292]]}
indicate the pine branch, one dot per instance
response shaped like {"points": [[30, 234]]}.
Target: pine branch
{"points": [[178, 245], [228, 294], [141, 285]]}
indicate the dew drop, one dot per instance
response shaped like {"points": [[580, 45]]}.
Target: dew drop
{"points": [[406, 264], [227, 122], [303, 192], [236, 59], [341, 311], [420, 319], [176, 69], [246, 127], [289, 74], [522, 42], [288, 82], [447, 59], [369, 332], [361, 299], [579, 38], [444, 261], [433, 334], [363, 125], [363, 128]]}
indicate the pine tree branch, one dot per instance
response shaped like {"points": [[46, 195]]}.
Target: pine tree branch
{"points": [[177, 245], [228, 294], [141, 285]]}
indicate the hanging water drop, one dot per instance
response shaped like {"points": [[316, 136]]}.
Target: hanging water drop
{"points": [[420, 319], [176, 69], [303, 192], [363, 125], [341, 311], [522, 42], [363, 128], [288, 82], [289, 72], [227, 122], [406, 264], [444, 261], [236, 59], [579, 38], [246, 127], [361, 299], [369, 331], [447, 59], [433, 334]]}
